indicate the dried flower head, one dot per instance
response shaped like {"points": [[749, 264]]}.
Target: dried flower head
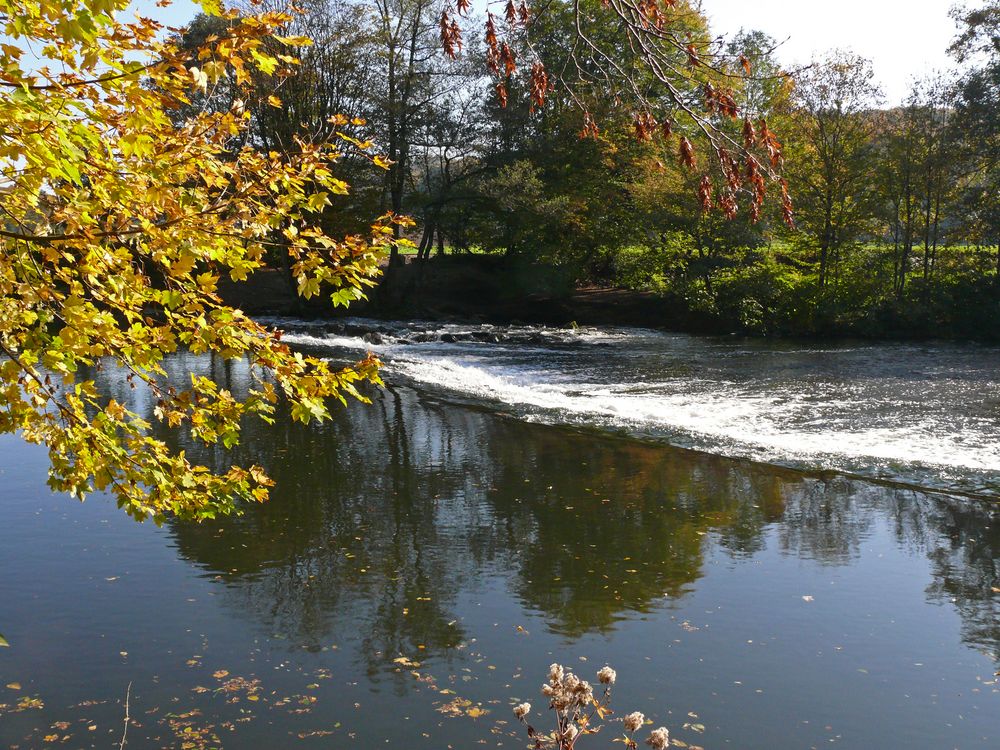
{"points": [[521, 710], [606, 676], [633, 721], [659, 739], [567, 692]]}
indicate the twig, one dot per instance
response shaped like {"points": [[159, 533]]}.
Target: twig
{"points": [[128, 693]]}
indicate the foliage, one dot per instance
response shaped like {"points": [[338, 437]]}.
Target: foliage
{"points": [[116, 227]]}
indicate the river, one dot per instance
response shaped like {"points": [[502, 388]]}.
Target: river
{"points": [[777, 545]]}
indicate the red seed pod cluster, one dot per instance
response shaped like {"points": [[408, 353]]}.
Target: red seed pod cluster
{"points": [[686, 152], [770, 143], [787, 214], [755, 179], [511, 13], [539, 85], [502, 60], [645, 126], [728, 205], [651, 13], [508, 59], [451, 34], [705, 194], [721, 101], [692, 56], [589, 127], [730, 168], [492, 45], [749, 133]]}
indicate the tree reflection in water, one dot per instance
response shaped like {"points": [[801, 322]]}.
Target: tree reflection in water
{"points": [[385, 516]]}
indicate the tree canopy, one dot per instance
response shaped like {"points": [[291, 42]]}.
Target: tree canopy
{"points": [[118, 221]]}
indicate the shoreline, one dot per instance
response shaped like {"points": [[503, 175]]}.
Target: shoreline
{"points": [[477, 289]]}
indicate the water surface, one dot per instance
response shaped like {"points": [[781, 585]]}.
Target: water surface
{"points": [[917, 413], [425, 558]]}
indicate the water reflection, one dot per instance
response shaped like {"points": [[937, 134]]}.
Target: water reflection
{"points": [[963, 552], [386, 516]]}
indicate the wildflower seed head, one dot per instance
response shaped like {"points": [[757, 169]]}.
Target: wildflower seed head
{"points": [[521, 710], [659, 739], [633, 721], [567, 692], [607, 676]]}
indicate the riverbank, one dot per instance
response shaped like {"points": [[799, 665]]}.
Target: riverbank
{"points": [[493, 289], [469, 289]]}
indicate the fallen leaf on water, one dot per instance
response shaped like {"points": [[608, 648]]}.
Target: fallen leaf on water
{"points": [[807, 598], [3, 642], [14, 685], [454, 707]]}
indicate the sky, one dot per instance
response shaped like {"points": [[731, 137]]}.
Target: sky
{"points": [[903, 38]]}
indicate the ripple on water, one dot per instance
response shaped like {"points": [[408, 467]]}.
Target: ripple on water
{"points": [[928, 415]]}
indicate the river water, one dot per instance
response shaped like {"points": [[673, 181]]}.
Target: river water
{"points": [[927, 414], [776, 545]]}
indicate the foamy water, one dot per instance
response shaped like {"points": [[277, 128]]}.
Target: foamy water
{"points": [[921, 414]]}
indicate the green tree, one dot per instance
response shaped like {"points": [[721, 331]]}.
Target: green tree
{"points": [[977, 122], [830, 149]]}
